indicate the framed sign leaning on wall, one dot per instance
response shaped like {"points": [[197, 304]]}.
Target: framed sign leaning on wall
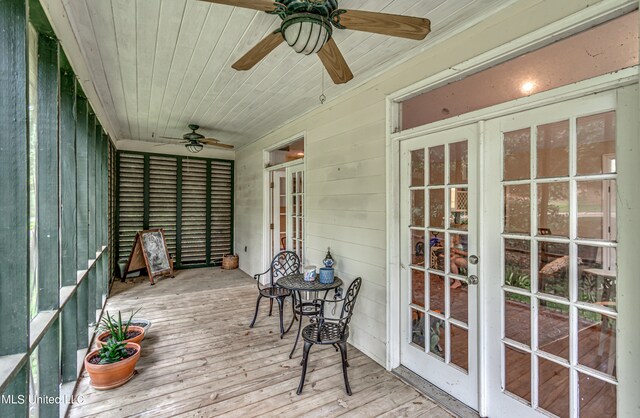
{"points": [[150, 251]]}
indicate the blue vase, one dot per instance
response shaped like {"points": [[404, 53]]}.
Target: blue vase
{"points": [[326, 275]]}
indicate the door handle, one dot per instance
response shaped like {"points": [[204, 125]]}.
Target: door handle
{"points": [[473, 279], [473, 259]]}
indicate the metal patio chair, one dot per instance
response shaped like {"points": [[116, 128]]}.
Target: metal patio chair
{"points": [[331, 331], [283, 264]]}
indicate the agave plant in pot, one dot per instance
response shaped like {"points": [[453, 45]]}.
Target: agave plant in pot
{"points": [[113, 364], [114, 328]]}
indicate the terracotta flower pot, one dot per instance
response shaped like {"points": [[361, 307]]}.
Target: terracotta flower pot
{"points": [[109, 376], [137, 339]]}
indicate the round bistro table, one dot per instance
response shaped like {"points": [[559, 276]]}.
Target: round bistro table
{"points": [[297, 284]]}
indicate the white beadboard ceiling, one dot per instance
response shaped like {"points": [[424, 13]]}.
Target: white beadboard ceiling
{"points": [[158, 65]]}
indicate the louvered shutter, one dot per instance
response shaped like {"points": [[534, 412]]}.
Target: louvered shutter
{"points": [[193, 238], [221, 209], [163, 175], [130, 201]]}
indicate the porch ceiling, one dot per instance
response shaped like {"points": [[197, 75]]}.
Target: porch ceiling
{"points": [[159, 65]]}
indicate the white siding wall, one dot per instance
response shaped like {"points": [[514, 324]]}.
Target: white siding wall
{"points": [[345, 163]]}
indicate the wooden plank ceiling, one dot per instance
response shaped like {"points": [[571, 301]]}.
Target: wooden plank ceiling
{"points": [[159, 65]]}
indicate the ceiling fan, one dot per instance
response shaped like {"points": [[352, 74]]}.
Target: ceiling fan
{"points": [[307, 26], [195, 141]]}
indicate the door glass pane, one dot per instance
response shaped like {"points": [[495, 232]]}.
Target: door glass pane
{"points": [[553, 328], [597, 275], [597, 341], [553, 268], [417, 287], [517, 209], [436, 166], [458, 253], [417, 328], [597, 398], [436, 251], [436, 294], [459, 209], [417, 207], [517, 263], [417, 240], [417, 168], [437, 342], [597, 209], [517, 372], [517, 317], [460, 347], [553, 150], [553, 381], [553, 208], [436, 208], [459, 294], [596, 146], [458, 163], [517, 155]]}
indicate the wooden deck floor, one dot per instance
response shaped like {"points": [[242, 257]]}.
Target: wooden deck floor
{"points": [[202, 360]]}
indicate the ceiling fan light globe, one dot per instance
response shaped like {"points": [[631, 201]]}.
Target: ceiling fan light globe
{"points": [[306, 33], [194, 147]]}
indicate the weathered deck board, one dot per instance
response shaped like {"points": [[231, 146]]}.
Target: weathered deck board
{"points": [[202, 360]]}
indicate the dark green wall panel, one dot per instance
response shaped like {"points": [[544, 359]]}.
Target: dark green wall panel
{"points": [[82, 201], [68, 179], [69, 347], [49, 373], [91, 185], [189, 195], [14, 219], [47, 203], [18, 387]]}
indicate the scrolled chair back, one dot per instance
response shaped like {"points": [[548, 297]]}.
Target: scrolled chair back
{"points": [[349, 303], [283, 264]]}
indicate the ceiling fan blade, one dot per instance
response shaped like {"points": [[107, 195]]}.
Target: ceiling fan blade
{"points": [[334, 62], [386, 24], [215, 143], [170, 137], [262, 5], [258, 52]]}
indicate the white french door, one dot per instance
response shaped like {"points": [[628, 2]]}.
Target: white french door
{"points": [[439, 327], [550, 256], [295, 209], [278, 212], [287, 210]]}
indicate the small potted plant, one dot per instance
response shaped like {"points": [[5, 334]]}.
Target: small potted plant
{"points": [[112, 365], [144, 323], [119, 331]]}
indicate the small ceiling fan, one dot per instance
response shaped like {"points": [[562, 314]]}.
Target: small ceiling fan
{"points": [[195, 141], [307, 26]]}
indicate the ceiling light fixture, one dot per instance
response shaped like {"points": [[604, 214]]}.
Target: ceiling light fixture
{"points": [[527, 87], [306, 33], [194, 146]]}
